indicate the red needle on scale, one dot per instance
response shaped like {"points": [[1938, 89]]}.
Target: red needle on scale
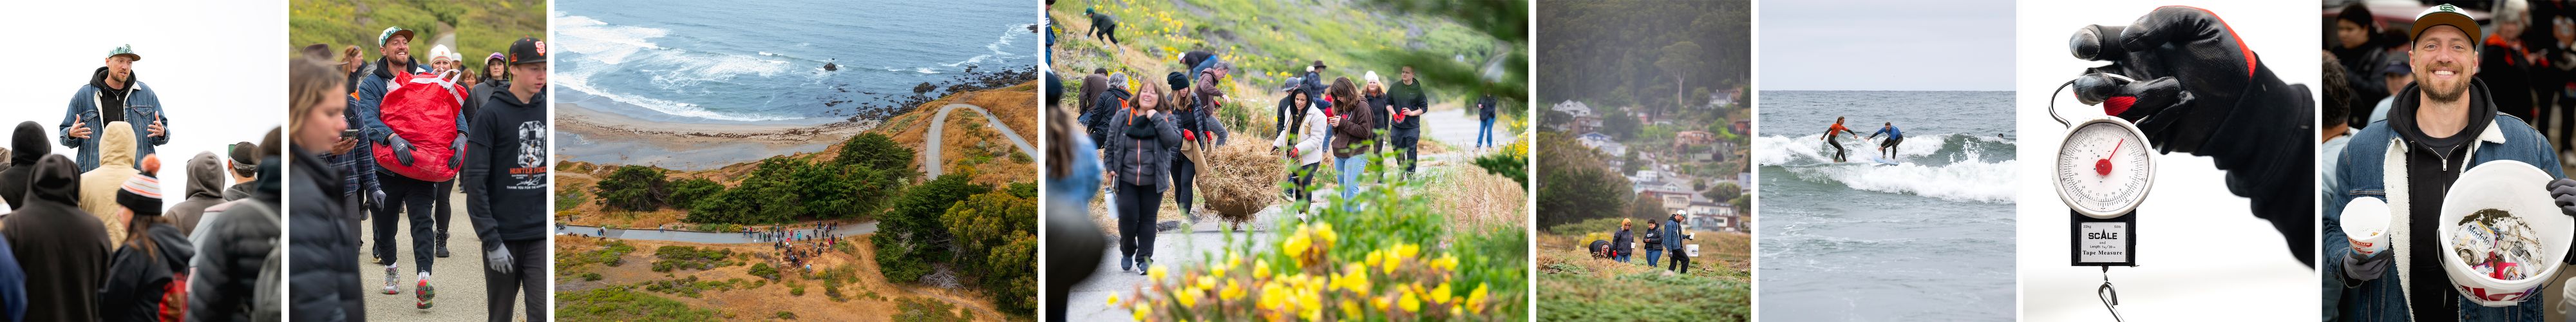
{"points": [[2103, 166]]}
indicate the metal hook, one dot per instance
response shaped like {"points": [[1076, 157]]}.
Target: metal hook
{"points": [[2110, 297], [2061, 88]]}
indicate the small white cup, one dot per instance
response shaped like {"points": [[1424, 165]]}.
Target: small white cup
{"points": [[2365, 225]]}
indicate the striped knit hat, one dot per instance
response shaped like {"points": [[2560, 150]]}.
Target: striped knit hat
{"points": [[141, 194]]}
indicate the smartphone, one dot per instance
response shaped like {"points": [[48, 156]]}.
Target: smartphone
{"points": [[349, 133]]}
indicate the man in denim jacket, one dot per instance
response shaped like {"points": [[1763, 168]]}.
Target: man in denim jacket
{"points": [[2437, 129], [113, 94]]}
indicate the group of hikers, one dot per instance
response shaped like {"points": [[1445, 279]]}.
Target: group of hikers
{"points": [[1152, 139], [87, 238], [784, 233], [389, 140], [1886, 148], [1660, 238], [797, 251]]}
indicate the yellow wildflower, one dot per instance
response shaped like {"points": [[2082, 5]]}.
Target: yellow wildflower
{"points": [[1189, 297], [1233, 290], [1326, 231], [1273, 296], [1476, 299], [1139, 312], [1441, 294], [1155, 272], [1295, 246], [1410, 303], [1113, 299], [1260, 268]]}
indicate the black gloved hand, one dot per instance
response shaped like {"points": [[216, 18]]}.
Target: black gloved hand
{"points": [[2563, 192], [2192, 73], [2364, 268], [402, 148]]}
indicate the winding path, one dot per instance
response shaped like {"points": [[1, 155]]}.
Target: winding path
{"points": [[930, 142]]}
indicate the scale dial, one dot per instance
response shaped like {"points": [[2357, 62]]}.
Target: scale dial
{"points": [[2103, 168]]}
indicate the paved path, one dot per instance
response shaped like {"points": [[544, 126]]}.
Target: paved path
{"points": [[930, 143], [700, 237], [458, 279], [1457, 128]]}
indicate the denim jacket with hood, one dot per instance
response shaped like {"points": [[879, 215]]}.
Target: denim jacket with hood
{"points": [[141, 106]]}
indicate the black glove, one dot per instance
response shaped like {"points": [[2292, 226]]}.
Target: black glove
{"points": [[2191, 69], [2364, 268], [402, 149], [2563, 192]]}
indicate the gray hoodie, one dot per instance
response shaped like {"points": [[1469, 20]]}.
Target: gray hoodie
{"points": [[205, 188]]}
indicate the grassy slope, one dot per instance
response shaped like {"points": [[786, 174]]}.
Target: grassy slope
{"points": [[482, 26], [1268, 41]]}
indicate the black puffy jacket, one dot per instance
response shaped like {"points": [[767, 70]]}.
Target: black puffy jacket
{"points": [[325, 280]]}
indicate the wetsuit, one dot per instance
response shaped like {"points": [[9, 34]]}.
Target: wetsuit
{"points": [[1838, 146], [1894, 136]]}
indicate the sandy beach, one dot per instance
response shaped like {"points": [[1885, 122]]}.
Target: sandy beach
{"points": [[609, 138]]}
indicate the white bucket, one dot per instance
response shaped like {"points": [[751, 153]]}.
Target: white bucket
{"points": [[1692, 249], [2517, 188], [2365, 225]]}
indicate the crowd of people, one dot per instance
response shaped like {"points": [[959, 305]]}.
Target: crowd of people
{"points": [[346, 108], [87, 238]]}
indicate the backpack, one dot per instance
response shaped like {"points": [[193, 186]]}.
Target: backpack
{"points": [[174, 298], [422, 108]]}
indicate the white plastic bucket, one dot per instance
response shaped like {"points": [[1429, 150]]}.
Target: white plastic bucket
{"points": [[2514, 187]]}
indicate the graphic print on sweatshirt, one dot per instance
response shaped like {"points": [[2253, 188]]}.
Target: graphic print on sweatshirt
{"points": [[531, 172]]}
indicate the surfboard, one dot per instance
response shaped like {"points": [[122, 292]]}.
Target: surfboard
{"points": [[1883, 160]]}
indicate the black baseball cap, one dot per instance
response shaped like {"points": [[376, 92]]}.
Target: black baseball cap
{"points": [[528, 50]]}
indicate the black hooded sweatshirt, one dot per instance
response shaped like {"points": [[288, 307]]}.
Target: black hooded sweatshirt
{"points": [[506, 183], [2432, 164], [54, 239], [136, 277], [111, 100], [26, 144]]}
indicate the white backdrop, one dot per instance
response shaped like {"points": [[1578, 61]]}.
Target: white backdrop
{"points": [[218, 66], [2202, 253]]}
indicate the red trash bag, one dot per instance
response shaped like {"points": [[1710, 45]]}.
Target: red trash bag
{"points": [[422, 108]]}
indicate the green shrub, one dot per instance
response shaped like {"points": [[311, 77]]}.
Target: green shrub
{"points": [[623, 304], [633, 188], [785, 315], [668, 258], [764, 271], [687, 192], [925, 310], [590, 277]]}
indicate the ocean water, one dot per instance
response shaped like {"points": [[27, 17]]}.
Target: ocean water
{"points": [[762, 61], [1928, 238]]}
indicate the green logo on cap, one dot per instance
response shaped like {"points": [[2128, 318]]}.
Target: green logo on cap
{"points": [[2447, 7]]}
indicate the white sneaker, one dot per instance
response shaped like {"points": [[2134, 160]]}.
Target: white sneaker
{"points": [[390, 279]]}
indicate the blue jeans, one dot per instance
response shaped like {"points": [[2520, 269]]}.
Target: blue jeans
{"points": [[1485, 134], [1623, 257], [1651, 255], [1350, 169]]}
